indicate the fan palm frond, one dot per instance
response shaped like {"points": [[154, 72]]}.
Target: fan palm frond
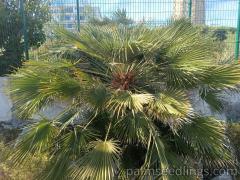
{"points": [[222, 77], [183, 77], [206, 136], [71, 145], [110, 43], [212, 99], [58, 168], [98, 96], [131, 129], [99, 163], [36, 88], [37, 138], [182, 167], [77, 139], [158, 158], [122, 101], [170, 108]]}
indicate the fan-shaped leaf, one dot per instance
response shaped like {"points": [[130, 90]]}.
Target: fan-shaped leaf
{"points": [[121, 101], [38, 138], [99, 163]]}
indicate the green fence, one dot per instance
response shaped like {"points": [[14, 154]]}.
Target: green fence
{"points": [[220, 18], [21, 23], [217, 17]]}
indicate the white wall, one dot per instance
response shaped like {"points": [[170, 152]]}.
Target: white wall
{"points": [[202, 108], [5, 102]]}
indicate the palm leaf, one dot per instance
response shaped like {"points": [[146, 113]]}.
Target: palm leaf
{"points": [[221, 77], [170, 108], [33, 89], [158, 156], [121, 101], [109, 43], [98, 96], [72, 145], [184, 168], [212, 99], [182, 77], [131, 129], [38, 138], [206, 136], [99, 163]]}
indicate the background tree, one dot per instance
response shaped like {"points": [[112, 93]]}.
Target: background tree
{"points": [[11, 31], [118, 17]]}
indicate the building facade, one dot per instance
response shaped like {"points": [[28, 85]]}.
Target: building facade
{"points": [[180, 9], [198, 14], [198, 11], [64, 12]]}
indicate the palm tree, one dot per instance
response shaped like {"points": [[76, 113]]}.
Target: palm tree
{"points": [[128, 111], [118, 17]]}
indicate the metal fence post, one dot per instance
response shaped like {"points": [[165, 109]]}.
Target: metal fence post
{"points": [[237, 34], [190, 9], [78, 16], [24, 29]]}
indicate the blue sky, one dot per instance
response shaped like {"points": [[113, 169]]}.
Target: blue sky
{"points": [[222, 12], [218, 12]]}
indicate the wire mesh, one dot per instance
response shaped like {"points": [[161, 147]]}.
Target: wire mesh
{"points": [[216, 17], [10, 35], [209, 12]]}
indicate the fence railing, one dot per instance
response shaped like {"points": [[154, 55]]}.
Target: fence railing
{"points": [[221, 18], [24, 28]]}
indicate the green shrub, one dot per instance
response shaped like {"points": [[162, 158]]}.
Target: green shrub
{"points": [[26, 171], [8, 134], [233, 132], [11, 36]]}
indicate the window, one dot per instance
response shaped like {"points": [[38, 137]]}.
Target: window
{"points": [[68, 26], [67, 17]]}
